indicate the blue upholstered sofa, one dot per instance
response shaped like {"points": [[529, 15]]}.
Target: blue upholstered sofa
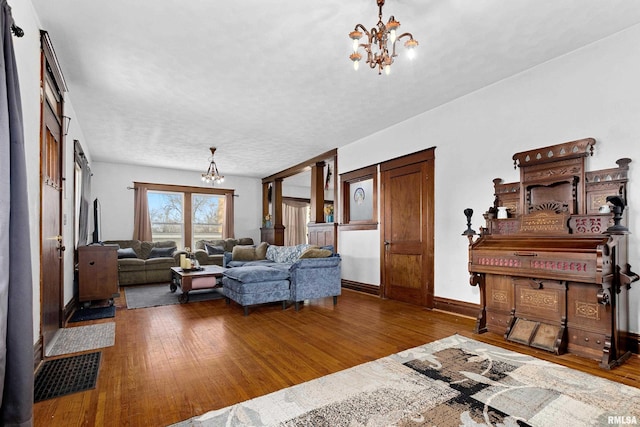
{"points": [[283, 273]]}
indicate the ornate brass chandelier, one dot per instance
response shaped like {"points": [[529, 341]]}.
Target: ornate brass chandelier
{"points": [[212, 176], [379, 36]]}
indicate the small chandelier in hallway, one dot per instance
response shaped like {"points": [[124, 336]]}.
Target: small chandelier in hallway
{"points": [[212, 176], [379, 36]]}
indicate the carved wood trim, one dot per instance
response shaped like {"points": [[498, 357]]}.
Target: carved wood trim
{"points": [[568, 150]]}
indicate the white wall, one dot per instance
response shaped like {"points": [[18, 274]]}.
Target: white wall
{"points": [[110, 181], [592, 92]]}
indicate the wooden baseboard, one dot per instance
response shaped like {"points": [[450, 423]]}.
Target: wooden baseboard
{"points": [[633, 342], [456, 307], [68, 310], [38, 354], [449, 305], [361, 287]]}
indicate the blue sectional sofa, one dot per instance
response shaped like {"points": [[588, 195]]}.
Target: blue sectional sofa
{"points": [[281, 273]]}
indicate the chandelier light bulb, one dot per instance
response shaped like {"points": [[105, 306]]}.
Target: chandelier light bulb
{"points": [[355, 45], [355, 57], [392, 36], [387, 69], [411, 45]]}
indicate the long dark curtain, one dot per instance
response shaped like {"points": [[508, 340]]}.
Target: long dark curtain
{"points": [[85, 194], [16, 293], [141, 220]]}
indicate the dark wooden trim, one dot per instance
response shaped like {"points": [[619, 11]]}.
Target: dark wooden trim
{"points": [[68, 309], [301, 167], [183, 188], [52, 58], [38, 354], [359, 226], [187, 190], [418, 157], [348, 179], [633, 342], [456, 307], [295, 199], [359, 174], [361, 287]]}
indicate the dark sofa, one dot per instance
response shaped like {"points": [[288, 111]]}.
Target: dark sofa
{"points": [[141, 262]]}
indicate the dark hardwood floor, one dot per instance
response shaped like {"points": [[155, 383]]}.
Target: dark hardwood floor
{"points": [[174, 362]]}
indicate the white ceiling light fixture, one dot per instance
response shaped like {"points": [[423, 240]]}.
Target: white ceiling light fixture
{"points": [[212, 176], [379, 36]]}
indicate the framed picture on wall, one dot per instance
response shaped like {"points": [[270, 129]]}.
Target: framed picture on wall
{"points": [[360, 199]]}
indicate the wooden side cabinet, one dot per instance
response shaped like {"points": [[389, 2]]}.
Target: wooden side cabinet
{"points": [[97, 273]]}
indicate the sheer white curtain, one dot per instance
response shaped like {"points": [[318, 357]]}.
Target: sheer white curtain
{"points": [[295, 215]]}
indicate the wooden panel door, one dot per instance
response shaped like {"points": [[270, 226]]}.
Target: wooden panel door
{"points": [[407, 238], [51, 257]]}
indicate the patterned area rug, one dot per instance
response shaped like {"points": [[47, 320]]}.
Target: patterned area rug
{"points": [[83, 338], [455, 381], [141, 296]]}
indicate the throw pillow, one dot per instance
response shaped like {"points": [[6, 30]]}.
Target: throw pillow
{"points": [[243, 253], [261, 250], [127, 253], [161, 252], [214, 250], [316, 253], [329, 248], [286, 254]]}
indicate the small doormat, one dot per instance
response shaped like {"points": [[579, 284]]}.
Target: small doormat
{"points": [[93, 313], [60, 377], [82, 338]]}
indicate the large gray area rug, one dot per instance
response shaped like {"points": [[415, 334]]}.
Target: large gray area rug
{"points": [[141, 296], [455, 381], [83, 338]]}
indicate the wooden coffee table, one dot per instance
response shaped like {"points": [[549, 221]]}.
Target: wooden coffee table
{"points": [[207, 277]]}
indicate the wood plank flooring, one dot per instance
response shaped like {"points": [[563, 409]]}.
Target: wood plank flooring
{"points": [[173, 362]]}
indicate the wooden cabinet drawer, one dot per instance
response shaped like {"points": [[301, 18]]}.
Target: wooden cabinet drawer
{"points": [[585, 343]]}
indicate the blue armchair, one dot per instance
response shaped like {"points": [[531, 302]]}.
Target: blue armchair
{"points": [[315, 278]]}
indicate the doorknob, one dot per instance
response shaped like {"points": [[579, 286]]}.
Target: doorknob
{"points": [[58, 238], [386, 243]]}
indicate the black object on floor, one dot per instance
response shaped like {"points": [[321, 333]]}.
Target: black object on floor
{"points": [[59, 377], [93, 313]]}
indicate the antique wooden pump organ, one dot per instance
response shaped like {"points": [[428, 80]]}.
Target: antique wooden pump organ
{"points": [[552, 270]]}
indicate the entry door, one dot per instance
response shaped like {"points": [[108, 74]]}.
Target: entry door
{"points": [[407, 223], [52, 259]]}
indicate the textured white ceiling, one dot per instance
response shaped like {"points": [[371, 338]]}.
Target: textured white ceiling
{"points": [[269, 83]]}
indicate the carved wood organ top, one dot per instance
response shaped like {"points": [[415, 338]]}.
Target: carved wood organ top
{"points": [[553, 274]]}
